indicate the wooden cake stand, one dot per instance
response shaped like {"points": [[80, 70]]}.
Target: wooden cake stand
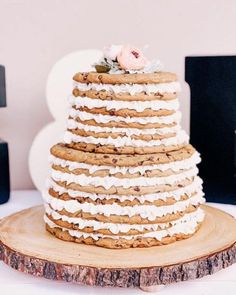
{"points": [[26, 246]]}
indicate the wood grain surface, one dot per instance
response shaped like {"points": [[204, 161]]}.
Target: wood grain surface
{"points": [[26, 246]]}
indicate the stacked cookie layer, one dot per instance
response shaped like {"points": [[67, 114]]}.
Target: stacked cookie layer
{"points": [[126, 175]]}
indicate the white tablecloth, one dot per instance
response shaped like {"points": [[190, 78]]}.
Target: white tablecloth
{"points": [[14, 282]]}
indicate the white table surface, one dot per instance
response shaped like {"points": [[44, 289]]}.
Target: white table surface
{"points": [[13, 282]]}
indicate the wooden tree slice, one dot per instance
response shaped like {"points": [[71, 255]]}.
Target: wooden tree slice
{"points": [[27, 247]]}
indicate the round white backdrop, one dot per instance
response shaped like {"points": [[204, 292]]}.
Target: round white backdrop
{"points": [[60, 83], [39, 152], [59, 87]]}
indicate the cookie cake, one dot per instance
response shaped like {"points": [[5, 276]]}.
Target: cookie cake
{"points": [[125, 175]]}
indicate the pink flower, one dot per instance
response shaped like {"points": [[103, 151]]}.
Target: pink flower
{"points": [[111, 51], [131, 58]]}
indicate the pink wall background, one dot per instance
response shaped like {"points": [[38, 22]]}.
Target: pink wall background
{"points": [[35, 34]]}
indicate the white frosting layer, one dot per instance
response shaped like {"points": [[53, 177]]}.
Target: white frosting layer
{"points": [[109, 181], [151, 212], [175, 166], [183, 227], [116, 228], [188, 190], [138, 106], [180, 138], [72, 124], [99, 118], [171, 87]]}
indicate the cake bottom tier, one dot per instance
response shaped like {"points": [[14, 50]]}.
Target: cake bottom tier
{"points": [[176, 232]]}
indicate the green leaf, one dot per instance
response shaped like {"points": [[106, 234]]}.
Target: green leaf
{"points": [[102, 68]]}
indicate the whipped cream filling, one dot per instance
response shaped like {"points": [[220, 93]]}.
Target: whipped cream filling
{"points": [[179, 228], [116, 228], [175, 166], [180, 138], [72, 124], [138, 106], [99, 118], [188, 190], [171, 87], [109, 181], [151, 212]]}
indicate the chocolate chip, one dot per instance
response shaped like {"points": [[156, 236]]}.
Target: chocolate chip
{"points": [[114, 161], [158, 94], [85, 76], [100, 77], [105, 156], [137, 189], [115, 149], [112, 112]]}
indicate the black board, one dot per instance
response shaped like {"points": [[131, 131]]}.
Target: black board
{"points": [[212, 80], [4, 174], [2, 87], [4, 157]]}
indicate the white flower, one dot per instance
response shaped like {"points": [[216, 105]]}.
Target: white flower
{"points": [[153, 66], [112, 51]]}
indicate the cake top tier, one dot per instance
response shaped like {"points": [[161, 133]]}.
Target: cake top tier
{"points": [[125, 64]]}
